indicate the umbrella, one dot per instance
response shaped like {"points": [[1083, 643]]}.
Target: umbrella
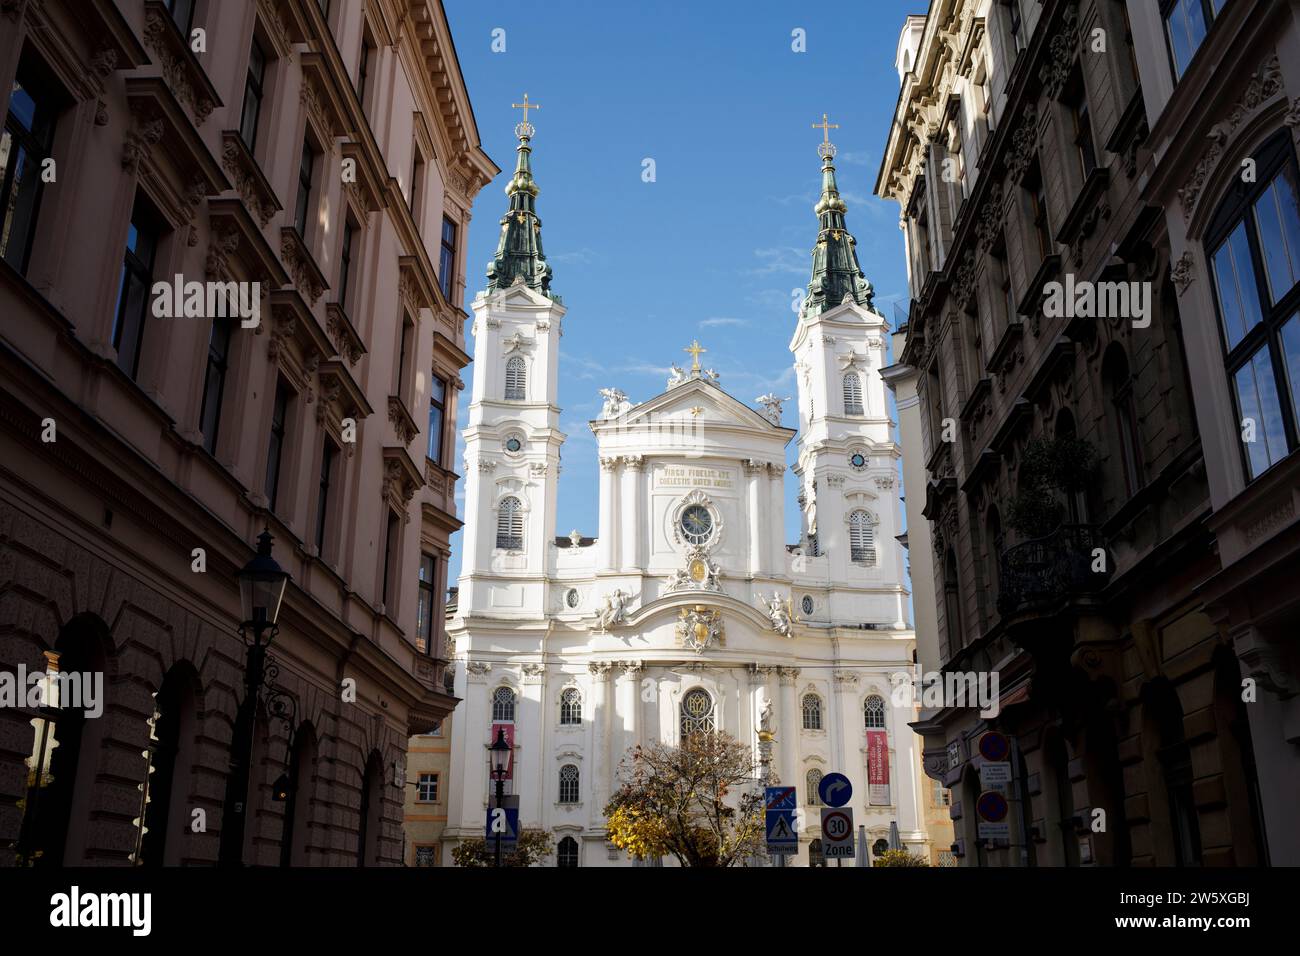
{"points": [[860, 858], [894, 842]]}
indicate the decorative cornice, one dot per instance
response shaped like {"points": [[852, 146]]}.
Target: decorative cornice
{"points": [[180, 71]]}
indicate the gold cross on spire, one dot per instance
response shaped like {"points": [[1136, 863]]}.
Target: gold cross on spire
{"points": [[825, 127], [526, 106], [695, 349]]}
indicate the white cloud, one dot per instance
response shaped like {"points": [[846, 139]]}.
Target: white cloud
{"points": [[719, 321], [780, 259]]}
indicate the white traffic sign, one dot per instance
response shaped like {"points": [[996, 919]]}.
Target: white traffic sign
{"points": [[995, 776], [837, 832]]}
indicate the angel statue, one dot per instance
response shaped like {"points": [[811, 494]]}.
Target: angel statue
{"points": [[778, 612], [676, 375], [614, 609], [615, 402]]}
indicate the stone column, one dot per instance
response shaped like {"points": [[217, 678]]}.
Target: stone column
{"points": [[631, 520], [788, 734], [606, 554], [759, 517], [776, 506], [629, 692], [600, 722], [843, 728]]}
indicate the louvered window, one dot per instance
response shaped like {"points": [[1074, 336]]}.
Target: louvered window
{"points": [[510, 524], [516, 379]]}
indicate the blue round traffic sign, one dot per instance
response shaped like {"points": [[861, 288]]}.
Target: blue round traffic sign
{"points": [[835, 790]]}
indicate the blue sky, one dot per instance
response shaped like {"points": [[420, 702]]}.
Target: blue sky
{"points": [[714, 247]]}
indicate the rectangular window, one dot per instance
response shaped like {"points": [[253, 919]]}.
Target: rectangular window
{"points": [[134, 288], [1016, 24], [275, 450], [1038, 210], [329, 454], [392, 541], [404, 350], [25, 144], [426, 608], [428, 788], [363, 69], [447, 259], [437, 397], [253, 90], [1261, 413], [417, 183], [214, 382], [345, 262], [1083, 131], [305, 165], [1186, 23], [182, 12]]}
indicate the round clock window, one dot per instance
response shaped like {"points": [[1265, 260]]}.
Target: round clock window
{"points": [[807, 604], [858, 461], [697, 524], [513, 444]]}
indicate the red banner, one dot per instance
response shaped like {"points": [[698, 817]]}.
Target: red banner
{"points": [[878, 768], [510, 739]]}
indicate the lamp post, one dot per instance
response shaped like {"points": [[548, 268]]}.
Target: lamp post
{"points": [[262, 583], [500, 752]]}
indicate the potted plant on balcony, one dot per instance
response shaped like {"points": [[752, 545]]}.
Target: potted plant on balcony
{"points": [[1049, 469]]}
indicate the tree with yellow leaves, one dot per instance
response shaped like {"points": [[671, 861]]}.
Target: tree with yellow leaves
{"points": [[698, 802]]}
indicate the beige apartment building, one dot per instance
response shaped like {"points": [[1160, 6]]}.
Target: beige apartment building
{"points": [[1065, 466], [311, 165]]}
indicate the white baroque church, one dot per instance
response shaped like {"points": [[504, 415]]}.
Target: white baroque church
{"points": [[687, 608]]}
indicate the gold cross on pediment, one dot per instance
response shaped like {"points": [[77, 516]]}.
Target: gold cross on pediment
{"points": [[695, 349]]}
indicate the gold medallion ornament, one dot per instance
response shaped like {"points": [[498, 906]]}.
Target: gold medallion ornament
{"points": [[700, 627]]}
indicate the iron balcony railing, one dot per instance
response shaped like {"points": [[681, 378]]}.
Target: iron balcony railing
{"points": [[1054, 567]]}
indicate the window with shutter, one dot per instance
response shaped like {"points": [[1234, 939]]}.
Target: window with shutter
{"points": [[852, 394], [510, 524], [862, 538], [516, 379]]}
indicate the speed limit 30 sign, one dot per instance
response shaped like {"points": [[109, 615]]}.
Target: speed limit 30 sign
{"points": [[837, 832]]}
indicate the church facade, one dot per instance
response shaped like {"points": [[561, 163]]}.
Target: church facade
{"points": [[688, 609]]}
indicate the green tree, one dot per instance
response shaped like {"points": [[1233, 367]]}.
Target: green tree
{"points": [[696, 801], [533, 846]]}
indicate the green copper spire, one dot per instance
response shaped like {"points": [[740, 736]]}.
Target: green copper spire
{"points": [[519, 253], [835, 269]]}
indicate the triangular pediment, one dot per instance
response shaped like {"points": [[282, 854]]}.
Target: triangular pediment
{"points": [[703, 403]]}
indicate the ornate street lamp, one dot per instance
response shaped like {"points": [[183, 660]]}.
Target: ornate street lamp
{"points": [[500, 753], [262, 584]]}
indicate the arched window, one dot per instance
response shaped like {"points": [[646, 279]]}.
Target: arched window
{"points": [[297, 810], [566, 854], [1253, 244], [503, 706], [371, 811], [815, 857], [516, 379], [1118, 386], [570, 706], [879, 848], [952, 603], [569, 783], [172, 760], [862, 538], [874, 712], [1076, 501], [510, 524], [812, 712], [814, 780], [697, 713], [852, 394]]}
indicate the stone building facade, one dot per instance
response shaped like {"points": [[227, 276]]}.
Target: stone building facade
{"points": [[314, 162], [1067, 486], [1223, 107]]}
